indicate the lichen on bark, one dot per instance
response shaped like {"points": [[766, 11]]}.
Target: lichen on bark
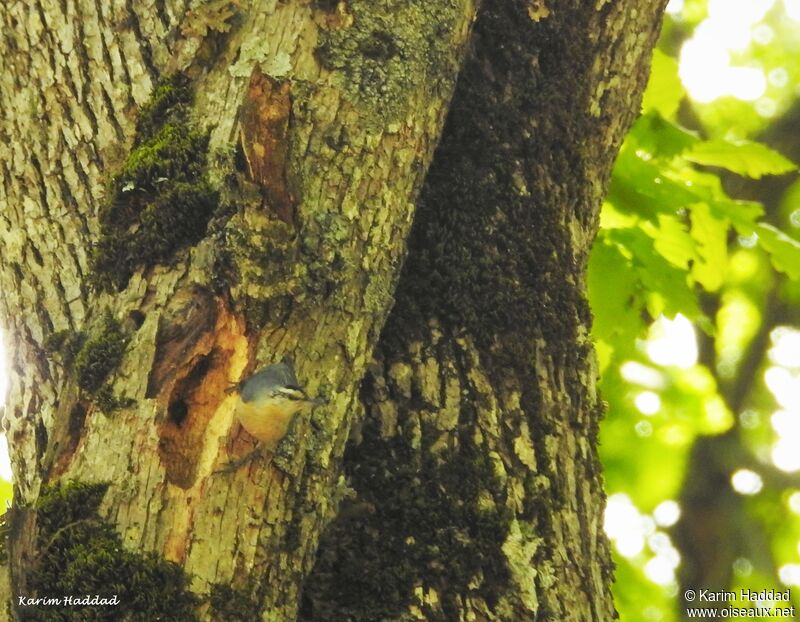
{"points": [[386, 49]]}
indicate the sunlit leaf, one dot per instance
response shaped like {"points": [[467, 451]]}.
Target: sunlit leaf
{"points": [[711, 236], [784, 251], [743, 157], [641, 187], [672, 240], [664, 90], [617, 320], [659, 137], [741, 214], [667, 286], [6, 493]]}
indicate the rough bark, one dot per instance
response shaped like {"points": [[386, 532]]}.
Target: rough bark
{"points": [[476, 468], [478, 492], [300, 257]]}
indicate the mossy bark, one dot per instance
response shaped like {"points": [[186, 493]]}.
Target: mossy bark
{"points": [[322, 118], [477, 487], [314, 188]]}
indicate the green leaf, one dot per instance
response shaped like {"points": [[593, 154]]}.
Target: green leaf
{"points": [[660, 137], [743, 157], [6, 494], [617, 318], [741, 214], [784, 251], [667, 287], [711, 235], [664, 90], [672, 240], [641, 187]]}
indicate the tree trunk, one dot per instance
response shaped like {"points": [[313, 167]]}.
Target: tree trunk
{"points": [[153, 257], [478, 487], [335, 109]]}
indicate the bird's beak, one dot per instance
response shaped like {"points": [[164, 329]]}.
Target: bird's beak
{"points": [[232, 389]]}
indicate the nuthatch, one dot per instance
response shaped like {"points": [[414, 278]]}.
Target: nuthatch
{"points": [[268, 401]]}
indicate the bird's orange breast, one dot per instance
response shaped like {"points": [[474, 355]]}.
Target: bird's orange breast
{"points": [[268, 424]]}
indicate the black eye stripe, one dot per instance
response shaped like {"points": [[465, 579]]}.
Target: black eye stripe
{"points": [[289, 394]]}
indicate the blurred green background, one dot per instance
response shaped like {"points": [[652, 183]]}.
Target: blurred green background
{"points": [[5, 466], [694, 285]]}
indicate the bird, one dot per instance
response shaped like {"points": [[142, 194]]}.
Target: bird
{"points": [[267, 402]]}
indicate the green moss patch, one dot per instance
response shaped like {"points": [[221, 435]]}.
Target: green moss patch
{"points": [[66, 343], [490, 250], [417, 523], [79, 554], [161, 199], [108, 402], [92, 356], [100, 354]]}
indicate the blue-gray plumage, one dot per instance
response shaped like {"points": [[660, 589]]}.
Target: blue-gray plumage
{"points": [[268, 401], [268, 379]]}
